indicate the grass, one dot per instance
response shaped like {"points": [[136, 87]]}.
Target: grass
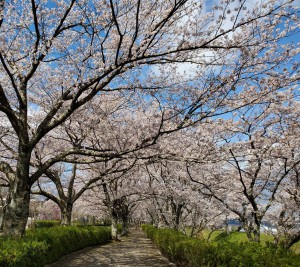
{"points": [[296, 247], [240, 237]]}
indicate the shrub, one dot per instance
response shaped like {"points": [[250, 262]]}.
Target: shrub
{"points": [[193, 252], [23, 253], [45, 245], [46, 223]]}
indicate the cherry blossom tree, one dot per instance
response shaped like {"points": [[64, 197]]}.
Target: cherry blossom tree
{"points": [[113, 133], [60, 190], [285, 213], [117, 194], [261, 154], [56, 57], [285, 216], [169, 193], [48, 210], [65, 184], [173, 201]]}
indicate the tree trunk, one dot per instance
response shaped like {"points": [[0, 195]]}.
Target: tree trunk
{"points": [[17, 209], [248, 230], [256, 234], [124, 227], [192, 230], [289, 242], [2, 210], [253, 233], [114, 228], [227, 226], [1, 222], [66, 215], [177, 212]]}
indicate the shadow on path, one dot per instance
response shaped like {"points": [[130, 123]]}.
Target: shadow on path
{"points": [[134, 250]]}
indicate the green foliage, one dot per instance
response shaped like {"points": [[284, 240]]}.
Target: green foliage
{"points": [[106, 222], [296, 247], [46, 223], [22, 252], [193, 252], [240, 237], [45, 245], [119, 228]]}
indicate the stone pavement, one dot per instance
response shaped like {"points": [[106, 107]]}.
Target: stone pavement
{"points": [[136, 250]]}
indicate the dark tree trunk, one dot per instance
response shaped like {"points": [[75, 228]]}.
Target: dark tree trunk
{"points": [[256, 227], [248, 230], [256, 234], [253, 233], [289, 242], [17, 209], [124, 228], [177, 210]]}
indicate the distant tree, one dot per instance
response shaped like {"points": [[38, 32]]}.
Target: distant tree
{"points": [[258, 156], [116, 195]]}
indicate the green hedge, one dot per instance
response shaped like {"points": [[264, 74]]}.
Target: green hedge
{"points": [[46, 223], [193, 252], [45, 245]]}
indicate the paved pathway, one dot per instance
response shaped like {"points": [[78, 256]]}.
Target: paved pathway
{"points": [[136, 250]]}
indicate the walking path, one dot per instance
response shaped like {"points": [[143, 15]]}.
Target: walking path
{"points": [[136, 250]]}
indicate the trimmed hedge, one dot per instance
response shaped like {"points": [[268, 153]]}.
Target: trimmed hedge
{"points": [[194, 252], [46, 223], [45, 245]]}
